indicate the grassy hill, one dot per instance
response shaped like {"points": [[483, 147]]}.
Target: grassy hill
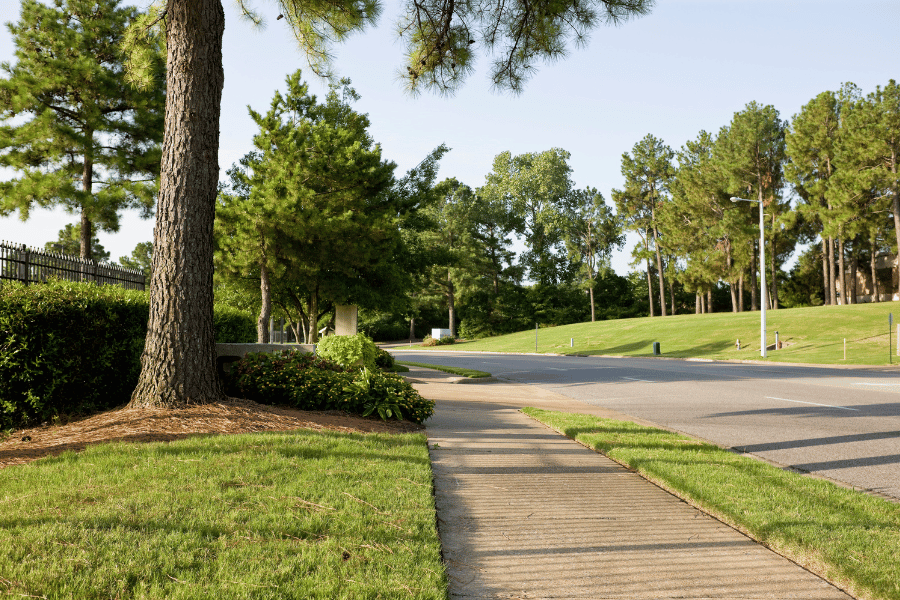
{"points": [[810, 335]]}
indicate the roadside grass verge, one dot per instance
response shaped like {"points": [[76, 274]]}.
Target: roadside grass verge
{"points": [[812, 335], [848, 537], [299, 514], [452, 370]]}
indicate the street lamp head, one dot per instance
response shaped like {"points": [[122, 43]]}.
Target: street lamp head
{"points": [[733, 199]]}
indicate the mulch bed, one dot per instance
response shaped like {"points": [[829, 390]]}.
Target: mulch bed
{"points": [[163, 425]]}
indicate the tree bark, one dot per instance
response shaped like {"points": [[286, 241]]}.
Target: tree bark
{"points": [[451, 306], [832, 300], [842, 279], [754, 261], [671, 296], [659, 267], [709, 304], [697, 308], [313, 311], [875, 297], [824, 269], [649, 277], [593, 315], [741, 293], [854, 269], [265, 308], [895, 208], [774, 285], [87, 185], [178, 365]]}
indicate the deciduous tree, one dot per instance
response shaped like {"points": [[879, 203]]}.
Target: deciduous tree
{"points": [[592, 234]]}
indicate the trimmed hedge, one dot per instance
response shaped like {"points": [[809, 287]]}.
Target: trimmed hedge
{"points": [[70, 348], [307, 382], [233, 325]]}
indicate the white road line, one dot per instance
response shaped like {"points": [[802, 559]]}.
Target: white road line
{"points": [[641, 380], [881, 384], [555, 369], [813, 403]]}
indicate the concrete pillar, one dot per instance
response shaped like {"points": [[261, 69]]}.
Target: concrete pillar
{"points": [[345, 319]]}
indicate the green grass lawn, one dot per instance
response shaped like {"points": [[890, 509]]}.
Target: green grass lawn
{"points": [[812, 335], [851, 538], [296, 514], [473, 373]]}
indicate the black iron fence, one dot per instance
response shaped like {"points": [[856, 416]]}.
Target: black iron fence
{"points": [[19, 263]]}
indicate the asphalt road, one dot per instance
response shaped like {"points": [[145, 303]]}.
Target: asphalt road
{"points": [[840, 423]]}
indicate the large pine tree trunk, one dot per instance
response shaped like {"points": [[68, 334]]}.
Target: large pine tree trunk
{"points": [[824, 270], [178, 365], [741, 293], [709, 304], [854, 269]]}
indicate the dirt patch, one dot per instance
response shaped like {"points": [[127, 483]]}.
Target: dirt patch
{"points": [[163, 425]]}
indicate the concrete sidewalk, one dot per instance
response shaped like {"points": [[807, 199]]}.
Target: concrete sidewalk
{"points": [[524, 512]]}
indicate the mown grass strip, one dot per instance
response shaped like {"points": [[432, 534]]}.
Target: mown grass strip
{"points": [[452, 370], [809, 335], [848, 537], [297, 514]]}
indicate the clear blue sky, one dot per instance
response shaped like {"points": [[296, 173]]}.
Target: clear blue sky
{"points": [[689, 65]]}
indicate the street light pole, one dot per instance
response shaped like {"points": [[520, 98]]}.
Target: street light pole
{"points": [[762, 274]]}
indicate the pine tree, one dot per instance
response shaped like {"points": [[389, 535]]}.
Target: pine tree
{"points": [[700, 223], [306, 212], [648, 171], [751, 153], [869, 153], [90, 142]]}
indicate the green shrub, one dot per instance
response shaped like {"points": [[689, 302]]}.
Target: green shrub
{"points": [[233, 325], [298, 379], [309, 382], [68, 349], [384, 360], [389, 395], [348, 350], [444, 341]]}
